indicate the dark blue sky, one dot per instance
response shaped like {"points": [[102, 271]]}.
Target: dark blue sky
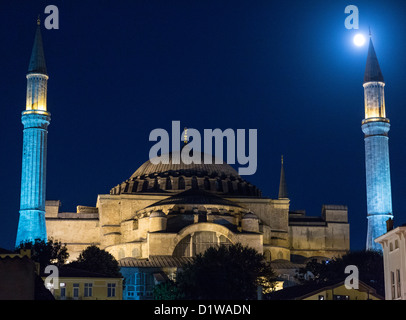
{"points": [[119, 69]]}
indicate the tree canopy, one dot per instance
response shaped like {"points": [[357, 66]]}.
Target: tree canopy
{"points": [[369, 264], [97, 260], [226, 272], [46, 253]]}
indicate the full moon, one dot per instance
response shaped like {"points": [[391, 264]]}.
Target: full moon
{"points": [[359, 40]]}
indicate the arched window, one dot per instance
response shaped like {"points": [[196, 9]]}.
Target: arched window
{"points": [[168, 184], [206, 184], [219, 185], [199, 242], [181, 183], [194, 183], [267, 255], [230, 187], [135, 186]]}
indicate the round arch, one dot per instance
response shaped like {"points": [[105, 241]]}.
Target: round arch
{"points": [[197, 238]]}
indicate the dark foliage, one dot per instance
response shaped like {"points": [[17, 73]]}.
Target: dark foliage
{"points": [[94, 259], [369, 264], [233, 272], [46, 253]]}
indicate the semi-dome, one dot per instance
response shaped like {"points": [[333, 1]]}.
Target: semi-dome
{"points": [[177, 176]]}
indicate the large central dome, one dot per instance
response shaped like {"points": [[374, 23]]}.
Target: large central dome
{"points": [[176, 176], [175, 166]]}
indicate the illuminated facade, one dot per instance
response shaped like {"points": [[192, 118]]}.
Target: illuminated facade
{"points": [[164, 214], [35, 119], [375, 127], [394, 257]]}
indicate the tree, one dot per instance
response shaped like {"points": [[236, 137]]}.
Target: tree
{"points": [[97, 260], [369, 264], [227, 272], [167, 291], [46, 253]]}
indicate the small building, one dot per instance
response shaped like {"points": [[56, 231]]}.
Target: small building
{"points": [[141, 275], [19, 279], [334, 290], [75, 284], [394, 261]]}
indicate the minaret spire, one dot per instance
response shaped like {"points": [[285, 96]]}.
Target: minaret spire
{"points": [[372, 69], [376, 127], [35, 119], [37, 61], [283, 190]]}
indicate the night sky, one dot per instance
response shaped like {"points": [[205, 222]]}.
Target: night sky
{"points": [[120, 69]]}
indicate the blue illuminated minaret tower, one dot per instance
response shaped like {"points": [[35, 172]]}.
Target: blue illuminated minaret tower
{"points": [[376, 127], [35, 119]]}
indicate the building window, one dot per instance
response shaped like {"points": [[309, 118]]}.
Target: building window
{"points": [[181, 183], [111, 290], [190, 246], [144, 284], [392, 281], [219, 185], [168, 184], [396, 244], [340, 297], [76, 290], [88, 289], [206, 184], [194, 183], [321, 297], [399, 292], [63, 293]]}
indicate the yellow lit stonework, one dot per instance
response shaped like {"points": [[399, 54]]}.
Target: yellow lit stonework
{"points": [[36, 92], [374, 100]]}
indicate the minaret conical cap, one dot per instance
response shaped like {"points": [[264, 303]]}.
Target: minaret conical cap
{"points": [[283, 190], [37, 61], [372, 69]]}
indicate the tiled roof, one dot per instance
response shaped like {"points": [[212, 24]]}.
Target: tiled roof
{"points": [[285, 264], [195, 196], [154, 262]]}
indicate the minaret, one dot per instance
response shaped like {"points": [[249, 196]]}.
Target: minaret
{"points": [[35, 119], [283, 190], [375, 127]]}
